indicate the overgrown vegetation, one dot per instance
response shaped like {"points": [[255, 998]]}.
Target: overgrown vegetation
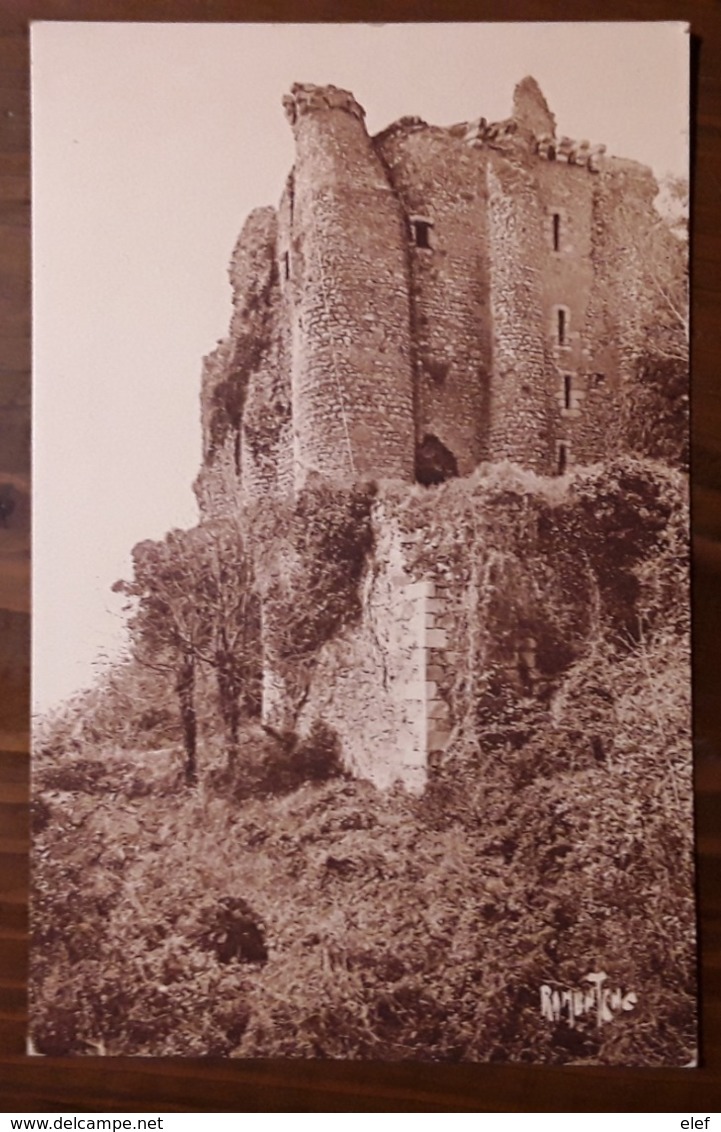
{"points": [[563, 564], [394, 927], [656, 403], [310, 556], [658, 411], [281, 909], [193, 602]]}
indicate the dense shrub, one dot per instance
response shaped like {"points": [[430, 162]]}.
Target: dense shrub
{"points": [[128, 707], [74, 774], [657, 413], [282, 909], [331, 536], [274, 764], [310, 556], [317, 757], [601, 553], [394, 927]]}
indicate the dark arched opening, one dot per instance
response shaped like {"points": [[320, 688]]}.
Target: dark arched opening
{"points": [[434, 462]]}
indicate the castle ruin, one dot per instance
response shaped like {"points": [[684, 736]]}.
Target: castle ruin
{"points": [[421, 302]]}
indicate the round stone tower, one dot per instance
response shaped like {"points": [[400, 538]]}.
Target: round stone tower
{"points": [[346, 267]]}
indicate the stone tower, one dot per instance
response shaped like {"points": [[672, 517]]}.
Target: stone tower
{"points": [[428, 299], [419, 303], [344, 258]]}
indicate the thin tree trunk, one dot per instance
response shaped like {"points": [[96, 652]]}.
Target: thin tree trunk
{"points": [[185, 688], [228, 694]]}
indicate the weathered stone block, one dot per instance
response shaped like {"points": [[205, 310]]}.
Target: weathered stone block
{"points": [[438, 739], [435, 605], [436, 638], [435, 672], [438, 709], [445, 621]]}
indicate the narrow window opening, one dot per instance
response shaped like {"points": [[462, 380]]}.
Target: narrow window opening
{"points": [[562, 457], [421, 230], [562, 326], [556, 231], [286, 264], [567, 391], [237, 451]]}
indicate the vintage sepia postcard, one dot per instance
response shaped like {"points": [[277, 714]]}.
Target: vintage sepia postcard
{"points": [[361, 648]]}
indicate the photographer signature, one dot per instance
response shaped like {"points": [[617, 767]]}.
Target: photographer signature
{"points": [[576, 1002]]}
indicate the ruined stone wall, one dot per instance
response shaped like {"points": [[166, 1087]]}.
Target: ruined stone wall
{"points": [[378, 683], [214, 425], [530, 110], [440, 182], [217, 486], [479, 597], [245, 399], [487, 286], [255, 334], [283, 340], [370, 687], [566, 196], [397, 686], [627, 307], [411, 287], [352, 376], [521, 415]]}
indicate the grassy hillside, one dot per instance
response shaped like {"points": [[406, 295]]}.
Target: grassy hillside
{"points": [[393, 927], [281, 909]]}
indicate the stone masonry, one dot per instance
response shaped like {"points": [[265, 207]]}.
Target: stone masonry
{"points": [[430, 298], [420, 302]]}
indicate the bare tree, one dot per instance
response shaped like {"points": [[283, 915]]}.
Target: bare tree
{"points": [[193, 603], [231, 647], [168, 626]]}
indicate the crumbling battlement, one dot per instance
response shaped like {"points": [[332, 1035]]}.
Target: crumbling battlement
{"points": [[428, 299], [306, 97]]}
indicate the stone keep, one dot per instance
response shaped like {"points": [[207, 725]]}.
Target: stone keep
{"points": [[420, 302], [427, 299]]}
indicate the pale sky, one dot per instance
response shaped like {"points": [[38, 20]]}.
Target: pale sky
{"points": [[151, 143]]}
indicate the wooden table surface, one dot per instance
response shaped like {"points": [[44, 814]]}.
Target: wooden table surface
{"points": [[67, 1085]]}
